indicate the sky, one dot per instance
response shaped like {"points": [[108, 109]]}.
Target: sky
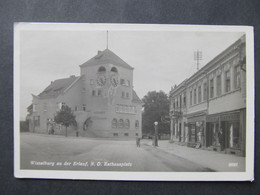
{"points": [[160, 59]]}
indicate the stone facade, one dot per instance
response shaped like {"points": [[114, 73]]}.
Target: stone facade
{"points": [[213, 100], [102, 99]]}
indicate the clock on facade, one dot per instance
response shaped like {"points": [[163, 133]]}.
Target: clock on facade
{"points": [[101, 80], [114, 80]]}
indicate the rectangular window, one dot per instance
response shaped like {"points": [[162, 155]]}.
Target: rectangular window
{"points": [[199, 94], [211, 83], [237, 77], [184, 99], [195, 96], [123, 94], [115, 134], [122, 81], [227, 81], [84, 107], [93, 92], [37, 121], [127, 95], [99, 92], [190, 97], [34, 108], [44, 106], [218, 85], [180, 100], [205, 91], [126, 134]]}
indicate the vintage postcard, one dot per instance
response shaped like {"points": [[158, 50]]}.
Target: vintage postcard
{"points": [[133, 102]]}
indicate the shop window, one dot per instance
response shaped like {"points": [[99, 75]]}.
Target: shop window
{"points": [[227, 81], [233, 135], [114, 69], [136, 124], [199, 94], [211, 83], [218, 85], [127, 124], [126, 134], [121, 123], [102, 69], [237, 78], [114, 123], [205, 92]]}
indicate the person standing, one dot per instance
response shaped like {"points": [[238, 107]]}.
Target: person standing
{"points": [[221, 139]]}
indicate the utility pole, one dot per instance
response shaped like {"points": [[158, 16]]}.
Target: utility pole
{"points": [[198, 58]]}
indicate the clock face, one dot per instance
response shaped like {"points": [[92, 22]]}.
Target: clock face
{"points": [[101, 80], [114, 80]]}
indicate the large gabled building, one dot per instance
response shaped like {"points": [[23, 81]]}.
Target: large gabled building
{"points": [[102, 99], [213, 99]]}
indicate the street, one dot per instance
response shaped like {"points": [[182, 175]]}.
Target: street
{"points": [[47, 152]]}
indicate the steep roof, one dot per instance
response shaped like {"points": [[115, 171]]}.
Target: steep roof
{"points": [[136, 99], [107, 56], [57, 87]]}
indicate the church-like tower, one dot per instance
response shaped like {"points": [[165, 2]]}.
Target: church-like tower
{"points": [[112, 108], [102, 98]]}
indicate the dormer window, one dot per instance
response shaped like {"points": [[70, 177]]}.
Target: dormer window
{"points": [[114, 69], [102, 69]]}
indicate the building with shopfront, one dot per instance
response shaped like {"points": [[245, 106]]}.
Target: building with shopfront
{"points": [[102, 99], [208, 109]]}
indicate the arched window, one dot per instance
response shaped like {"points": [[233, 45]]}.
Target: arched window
{"points": [[121, 123], [127, 123], [114, 123], [114, 69], [136, 124], [102, 69]]}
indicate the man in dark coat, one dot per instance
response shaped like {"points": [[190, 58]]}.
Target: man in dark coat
{"points": [[221, 139]]}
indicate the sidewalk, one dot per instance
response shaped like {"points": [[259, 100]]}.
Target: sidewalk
{"points": [[210, 159]]}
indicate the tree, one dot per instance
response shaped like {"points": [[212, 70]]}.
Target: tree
{"points": [[65, 117], [156, 106]]}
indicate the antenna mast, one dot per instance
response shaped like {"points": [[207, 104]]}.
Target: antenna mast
{"points": [[107, 39], [198, 58]]}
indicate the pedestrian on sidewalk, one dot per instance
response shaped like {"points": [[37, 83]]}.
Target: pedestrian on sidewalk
{"points": [[221, 139], [138, 140]]}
